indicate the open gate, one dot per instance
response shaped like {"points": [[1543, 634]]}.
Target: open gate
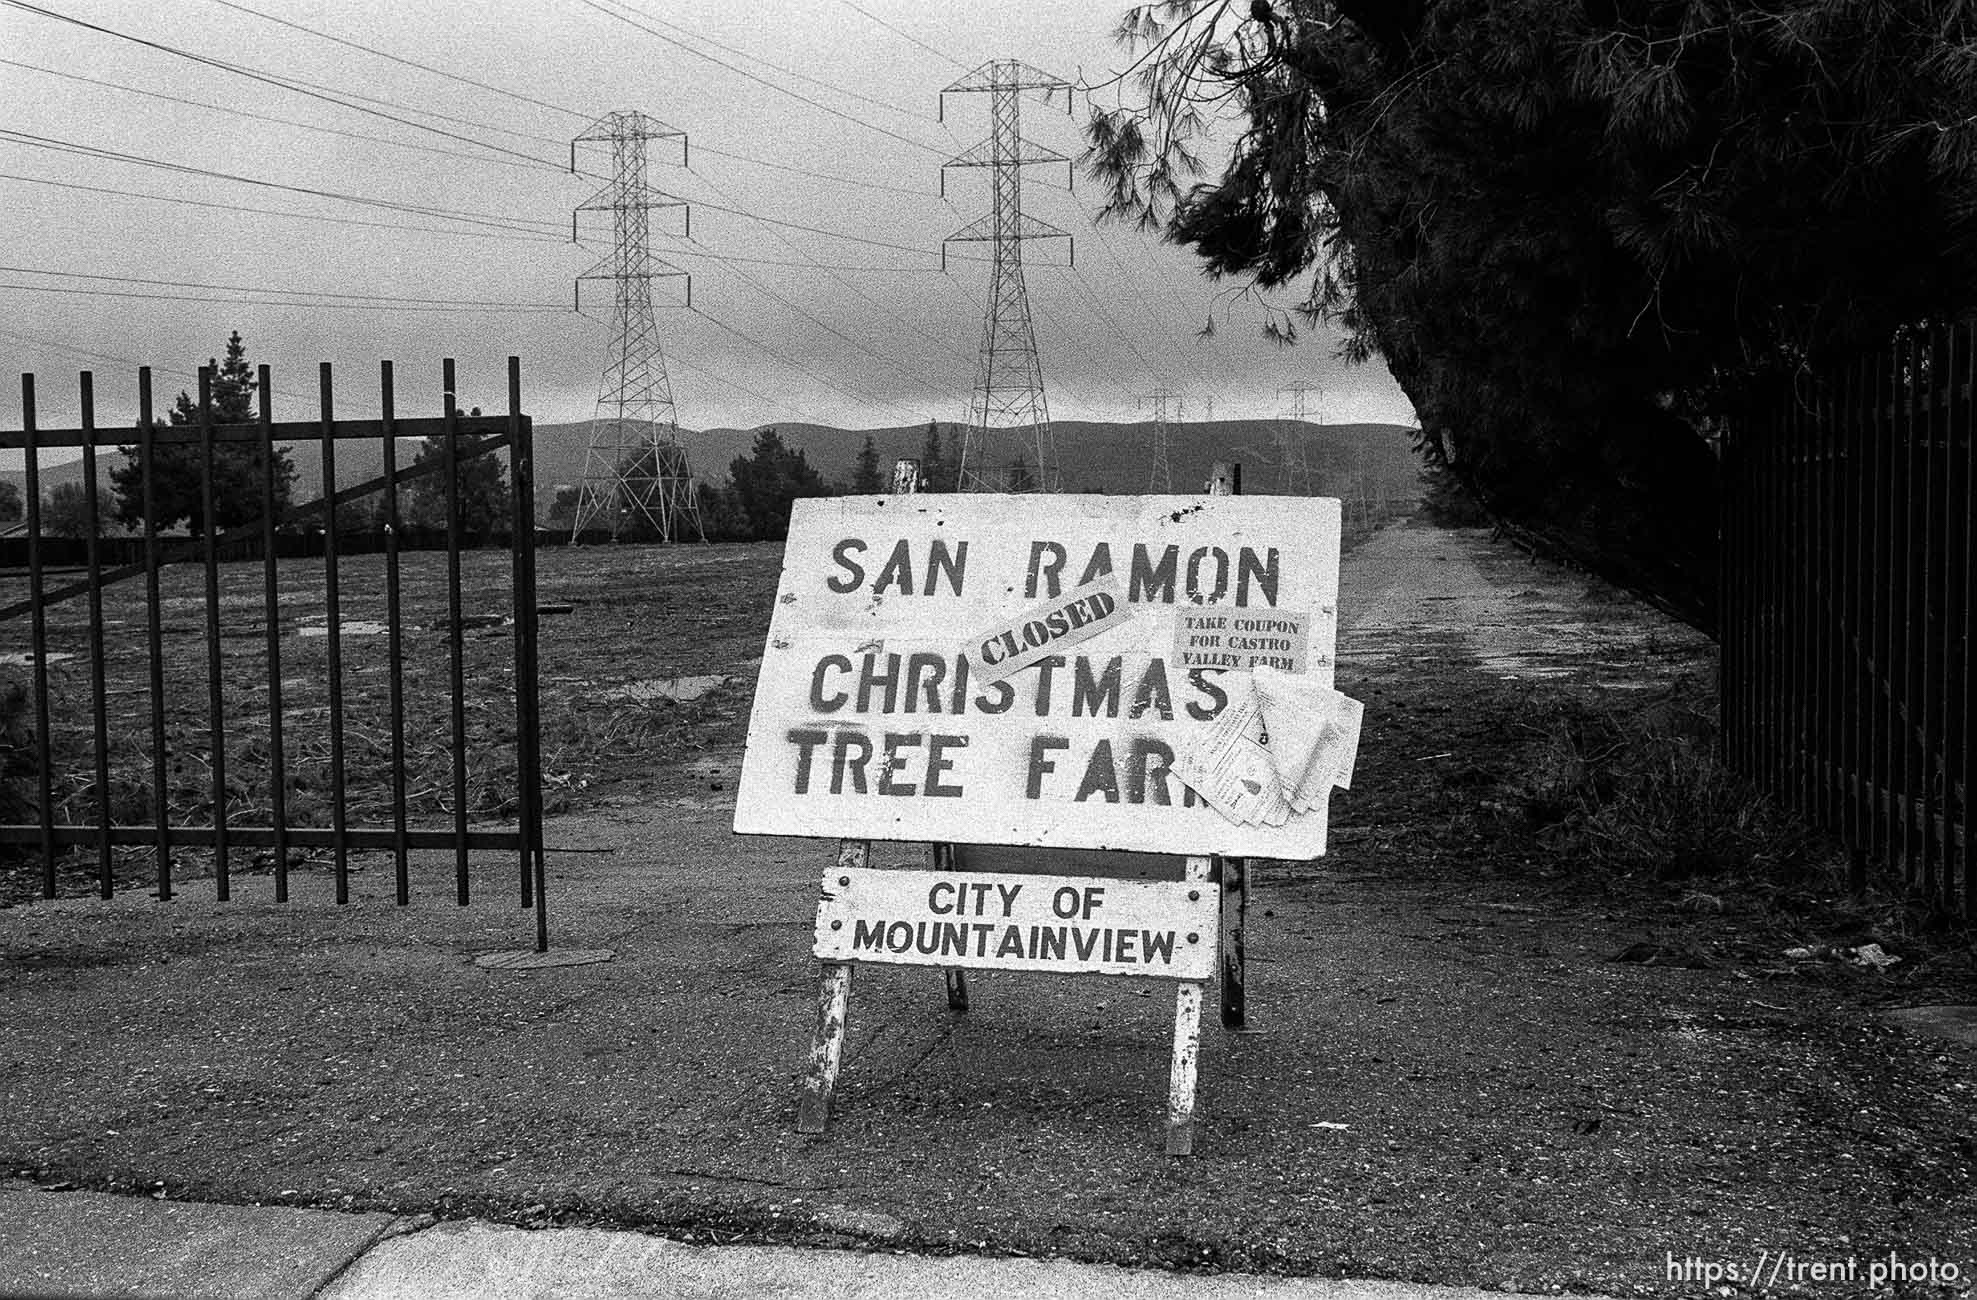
{"points": [[303, 682]]}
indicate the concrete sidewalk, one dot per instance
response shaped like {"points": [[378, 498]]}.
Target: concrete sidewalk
{"points": [[63, 1244]]}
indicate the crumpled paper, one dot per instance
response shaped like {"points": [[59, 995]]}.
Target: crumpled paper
{"points": [[1278, 747]]}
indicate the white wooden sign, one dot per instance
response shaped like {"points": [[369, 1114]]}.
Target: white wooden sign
{"points": [[1066, 924], [887, 707]]}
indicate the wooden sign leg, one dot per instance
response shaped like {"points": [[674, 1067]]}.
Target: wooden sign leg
{"points": [[1187, 1047], [813, 1109], [1180, 1079], [957, 979], [1235, 914]]}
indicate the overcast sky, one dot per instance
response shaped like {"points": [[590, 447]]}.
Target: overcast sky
{"points": [[787, 323]]}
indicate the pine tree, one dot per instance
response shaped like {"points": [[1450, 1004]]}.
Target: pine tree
{"points": [[865, 480], [1578, 232], [936, 475], [480, 489], [238, 467], [766, 482]]}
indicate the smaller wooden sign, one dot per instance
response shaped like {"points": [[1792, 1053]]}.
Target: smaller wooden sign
{"points": [[1071, 925]]}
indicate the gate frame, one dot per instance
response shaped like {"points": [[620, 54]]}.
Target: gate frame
{"points": [[488, 434]]}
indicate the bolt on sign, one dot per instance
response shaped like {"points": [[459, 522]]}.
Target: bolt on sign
{"points": [[1148, 674]]}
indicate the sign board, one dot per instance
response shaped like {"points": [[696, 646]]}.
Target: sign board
{"points": [[1039, 670], [1066, 924]]}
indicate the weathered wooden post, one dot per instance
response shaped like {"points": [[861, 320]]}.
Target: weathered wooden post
{"points": [[1225, 479]]}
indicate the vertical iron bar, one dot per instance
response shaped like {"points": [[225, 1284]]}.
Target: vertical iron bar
{"points": [[1906, 618], [1967, 406], [528, 719], [44, 744], [1850, 481], [1891, 613], [147, 452], [1926, 612], [271, 616], [395, 635], [1872, 592], [215, 703], [1776, 652], [99, 693], [455, 642], [1726, 596], [1750, 489], [1825, 624], [333, 635], [1794, 572]]}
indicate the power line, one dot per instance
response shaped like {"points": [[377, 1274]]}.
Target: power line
{"points": [[270, 117], [814, 230], [756, 58], [399, 59], [258, 288], [449, 214], [822, 176], [284, 83], [783, 357], [539, 103], [908, 36], [280, 212], [805, 265], [743, 72], [72, 291]]}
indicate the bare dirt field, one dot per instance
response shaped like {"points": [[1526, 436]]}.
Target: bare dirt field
{"points": [[1454, 1079]]}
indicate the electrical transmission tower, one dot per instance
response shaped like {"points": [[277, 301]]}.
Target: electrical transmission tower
{"points": [[636, 469], [1008, 418], [1293, 410], [1161, 479]]}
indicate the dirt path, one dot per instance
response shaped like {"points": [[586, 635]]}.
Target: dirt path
{"points": [[1453, 1081]]}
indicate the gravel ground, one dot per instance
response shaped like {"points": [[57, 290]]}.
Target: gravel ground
{"points": [[1452, 1080]]}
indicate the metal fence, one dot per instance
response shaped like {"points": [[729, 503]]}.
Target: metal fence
{"points": [[250, 709], [1846, 581]]}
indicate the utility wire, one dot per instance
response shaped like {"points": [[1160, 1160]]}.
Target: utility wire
{"points": [[284, 83], [786, 359], [756, 58], [72, 291], [270, 117], [701, 54], [449, 214], [281, 212], [259, 288], [409, 63], [908, 36], [515, 95]]}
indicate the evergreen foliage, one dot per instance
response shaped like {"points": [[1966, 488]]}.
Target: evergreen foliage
{"points": [[479, 485], [238, 467], [865, 480], [937, 473], [12, 506], [765, 482], [1579, 232], [65, 511]]}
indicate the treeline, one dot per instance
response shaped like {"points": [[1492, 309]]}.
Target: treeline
{"points": [[240, 474], [762, 487]]}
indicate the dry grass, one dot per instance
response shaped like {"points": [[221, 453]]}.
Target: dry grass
{"points": [[635, 614], [1633, 787]]}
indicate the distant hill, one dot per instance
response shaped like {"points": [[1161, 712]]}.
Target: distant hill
{"points": [[1095, 457]]}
